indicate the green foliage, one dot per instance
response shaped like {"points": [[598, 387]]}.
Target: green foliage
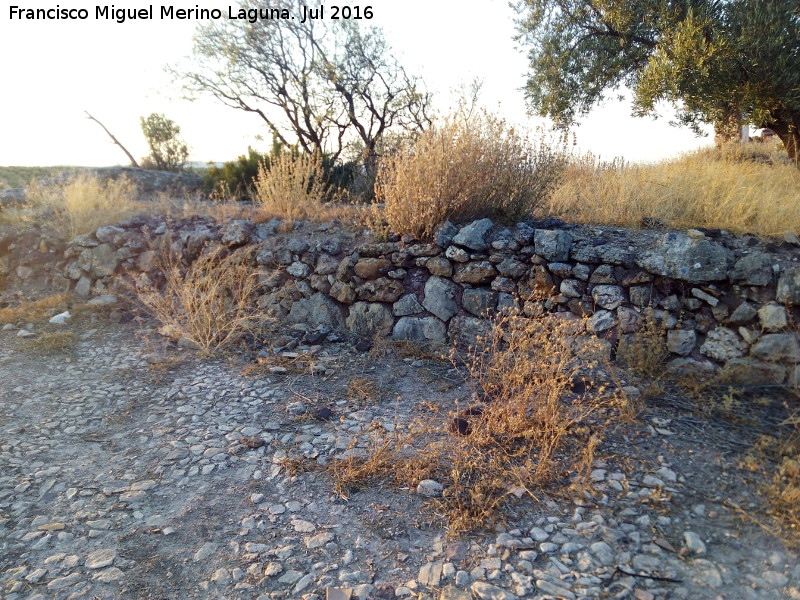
{"points": [[167, 151], [236, 177], [711, 59]]}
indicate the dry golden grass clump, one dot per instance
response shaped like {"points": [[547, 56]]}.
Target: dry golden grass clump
{"points": [[645, 351], [362, 390], [522, 430], [210, 303], [84, 202], [744, 189], [51, 341], [465, 168], [784, 489], [293, 187], [35, 311]]}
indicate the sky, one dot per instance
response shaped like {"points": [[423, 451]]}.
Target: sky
{"points": [[55, 70]]}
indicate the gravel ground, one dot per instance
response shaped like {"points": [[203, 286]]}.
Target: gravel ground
{"points": [[120, 481]]}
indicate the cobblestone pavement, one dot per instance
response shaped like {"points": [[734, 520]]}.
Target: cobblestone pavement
{"points": [[120, 482]]}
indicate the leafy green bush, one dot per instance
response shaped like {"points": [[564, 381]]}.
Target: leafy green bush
{"points": [[167, 151], [236, 177]]}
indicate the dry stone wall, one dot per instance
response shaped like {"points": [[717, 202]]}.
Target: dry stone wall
{"points": [[731, 304]]}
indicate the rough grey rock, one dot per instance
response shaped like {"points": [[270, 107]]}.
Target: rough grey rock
{"points": [[475, 272], [553, 245], [743, 314], [788, 291], [601, 321], [107, 233], [380, 290], [512, 268], [679, 256], [236, 232], [444, 234], [608, 296], [104, 260], [440, 296], [749, 370], [752, 269], [439, 266], [603, 274], [681, 341], [723, 344], [479, 301], [468, 332], [318, 311], [572, 288], [473, 236], [641, 295], [407, 305], [370, 319], [456, 254], [299, 269], [772, 316], [775, 347], [419, 329], [430, 488]]}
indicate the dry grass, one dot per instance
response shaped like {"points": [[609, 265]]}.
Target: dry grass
{"points": [[645, 351], [463, 169], [294, 363], [744, 190], [362, 390], [783, 491], [210, 303], [84, 203], [52, 341], [521, 431], [35, 311], [293, 187], [408, 349]]}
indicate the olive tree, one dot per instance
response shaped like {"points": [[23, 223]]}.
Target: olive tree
{"points": [[713, 59], [167, 151]]}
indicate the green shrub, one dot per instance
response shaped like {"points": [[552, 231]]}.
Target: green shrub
{"points": [[235, 177]]}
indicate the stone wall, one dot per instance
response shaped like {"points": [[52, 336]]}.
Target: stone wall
{"points": [[731, 303]]}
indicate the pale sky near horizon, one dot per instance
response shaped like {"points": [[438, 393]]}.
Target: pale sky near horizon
{"points": [[54, 70]]}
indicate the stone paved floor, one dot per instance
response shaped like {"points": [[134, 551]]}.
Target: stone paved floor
{"points": [[119, 482]]}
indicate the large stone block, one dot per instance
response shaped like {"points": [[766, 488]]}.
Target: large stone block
{"points": [[440, 297], [469, 332], [748, 370], [479, 301], [789, 286], [420, 329], [380, 290], [723, 344], [318, 311], [776, 347], [370, 319], [553, 245], [696, 260], [608, 296], [473, 236], [475, 273], [753, 269]]}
